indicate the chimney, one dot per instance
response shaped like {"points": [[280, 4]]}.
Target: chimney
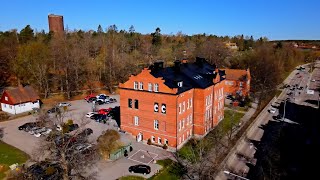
{"points": [[199, 61], [158, 64], [177, 66]]}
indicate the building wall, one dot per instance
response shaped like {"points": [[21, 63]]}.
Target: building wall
{"points": [[218, 108], [232, 87], [20, 108], [56, 24]]}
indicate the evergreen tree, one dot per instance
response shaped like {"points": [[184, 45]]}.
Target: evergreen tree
{"points": [[26, 34]]}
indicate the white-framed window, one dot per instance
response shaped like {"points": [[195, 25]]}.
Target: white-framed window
{"points": [[166, 141], [140, 85], [10, 106], [179, 108], [4, 105], [206, 100], [241, 84], [159, 140], [156, 87], [190, 131], [184, 106], [136, 120], [135, 85], [190, 102], [153, 139], [179, 125], [182, 123], [156, 124], [222, 90], [6, 98], [190, 118], [150, 87], [187, 120], [183, 138], [179, 140]]}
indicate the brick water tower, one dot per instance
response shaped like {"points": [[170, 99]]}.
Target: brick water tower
{"points": [[56, 24]]}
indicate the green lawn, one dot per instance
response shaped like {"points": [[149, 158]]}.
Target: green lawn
{"points": [[132, 178], [10, 155], [231, 118], [171, 170]]}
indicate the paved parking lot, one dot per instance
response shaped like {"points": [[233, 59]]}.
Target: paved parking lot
{"points": [[105, 170]]}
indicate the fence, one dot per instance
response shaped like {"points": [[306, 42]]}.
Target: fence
{"points": [[120, 152]]}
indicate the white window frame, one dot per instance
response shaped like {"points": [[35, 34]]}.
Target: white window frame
{"points": [[191, 102], [153, 139], [136, 120], [140, 85], [182, 123], [188, 104], [190, 118], [159, 140], [6, 98], [156, 87], [156, 124], [135, 85], [184, 106], [150, 87], [187, 120]]}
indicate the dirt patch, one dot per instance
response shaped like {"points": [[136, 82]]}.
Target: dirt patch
{"points": [[4, 116]]}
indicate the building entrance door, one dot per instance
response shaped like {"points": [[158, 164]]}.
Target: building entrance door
{"points": [[139, 137]]}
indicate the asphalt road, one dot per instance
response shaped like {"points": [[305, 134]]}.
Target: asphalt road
{"points": [[237, 164]]}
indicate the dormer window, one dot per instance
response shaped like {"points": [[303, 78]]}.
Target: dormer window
{"points": [[180, 83], [149, 86], [156, 87], [197, 77], [135, 85], [141, 85], [6, 98]]}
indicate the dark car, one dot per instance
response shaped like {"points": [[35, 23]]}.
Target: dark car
{"points": [[28, 126], [143, 169], [277, 117], [40, 171], [100, 101], [73, 127], [85, 132], [53, 110], [91, 99]]}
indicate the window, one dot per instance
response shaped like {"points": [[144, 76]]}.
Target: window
{"points": [[241, 84], [183, 123], [136, 120], [135, 85], [188, 104], [130, 103], [141, 85], [166, 141], [179, 108], [156, 124], [156, 87], [179, 125], [150, 87], [187, 134], [4, 105], [10, 106], [156, 107], [179, 140], [153, 139], [191, 102], [190, 132], [6, 98], [187, 120], [136, 104], [183, 138], [159, 140], [206, 100], [190, 118], [163, 108], [184, 106]]}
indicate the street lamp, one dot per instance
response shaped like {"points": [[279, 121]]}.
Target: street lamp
{"points": [[229, 173]]}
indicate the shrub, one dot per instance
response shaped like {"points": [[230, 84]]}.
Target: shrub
{"points": [[69, 122], [149, 142], [165, 146]]}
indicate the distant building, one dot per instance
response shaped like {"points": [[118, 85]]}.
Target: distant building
{"points": [[20, 99], [237, 82], [232, 46], [56, 24], [170, 105]]}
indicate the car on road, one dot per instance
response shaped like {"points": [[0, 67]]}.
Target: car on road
{"points": [[28, 126], [313, 80], [140, 168], [104, 111], [272, 110], [63, 104], [89, 114], [90, 96], [53, 110]]}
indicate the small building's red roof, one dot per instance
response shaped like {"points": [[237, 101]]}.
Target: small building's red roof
{"points": [[19, 95], [236, 74]]}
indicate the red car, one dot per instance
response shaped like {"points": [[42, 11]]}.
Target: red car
{"points": [[104, 111], [89, 96]]}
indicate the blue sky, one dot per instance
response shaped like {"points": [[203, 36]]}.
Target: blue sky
{"points": [[275, 19]]}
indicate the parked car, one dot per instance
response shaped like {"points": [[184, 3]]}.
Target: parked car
{"points": [[53, 110], [85, 132], [104, 111], [28, 126], [101, 96], [141, 168], [230, 97], [277, 117], [313, 80], [112, 100], [100, 101], [91, 99], [272, 110], [87, 98], [62, 104], [83, 148], [34, 130], [89, 114], [73, 127], [38, 132]]}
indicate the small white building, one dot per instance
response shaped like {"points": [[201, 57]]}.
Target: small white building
{"points": [[19, 100]]}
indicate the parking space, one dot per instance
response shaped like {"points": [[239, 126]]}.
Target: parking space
{"points": [[143, 157]]}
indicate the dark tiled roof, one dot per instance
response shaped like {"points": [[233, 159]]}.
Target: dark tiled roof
{"points": [[22, 94], [199, 74]]}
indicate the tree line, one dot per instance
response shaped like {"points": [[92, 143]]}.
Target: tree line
{"points": [[103, 58]]}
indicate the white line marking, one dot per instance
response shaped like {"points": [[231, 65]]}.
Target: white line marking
{"points": [[134, 153]]}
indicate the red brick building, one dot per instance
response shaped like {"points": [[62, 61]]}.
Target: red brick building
{"points": [[170, 105], [237, 82], [56, 24]]}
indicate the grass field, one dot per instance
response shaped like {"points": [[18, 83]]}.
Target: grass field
{"points": [[10, 155]]}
